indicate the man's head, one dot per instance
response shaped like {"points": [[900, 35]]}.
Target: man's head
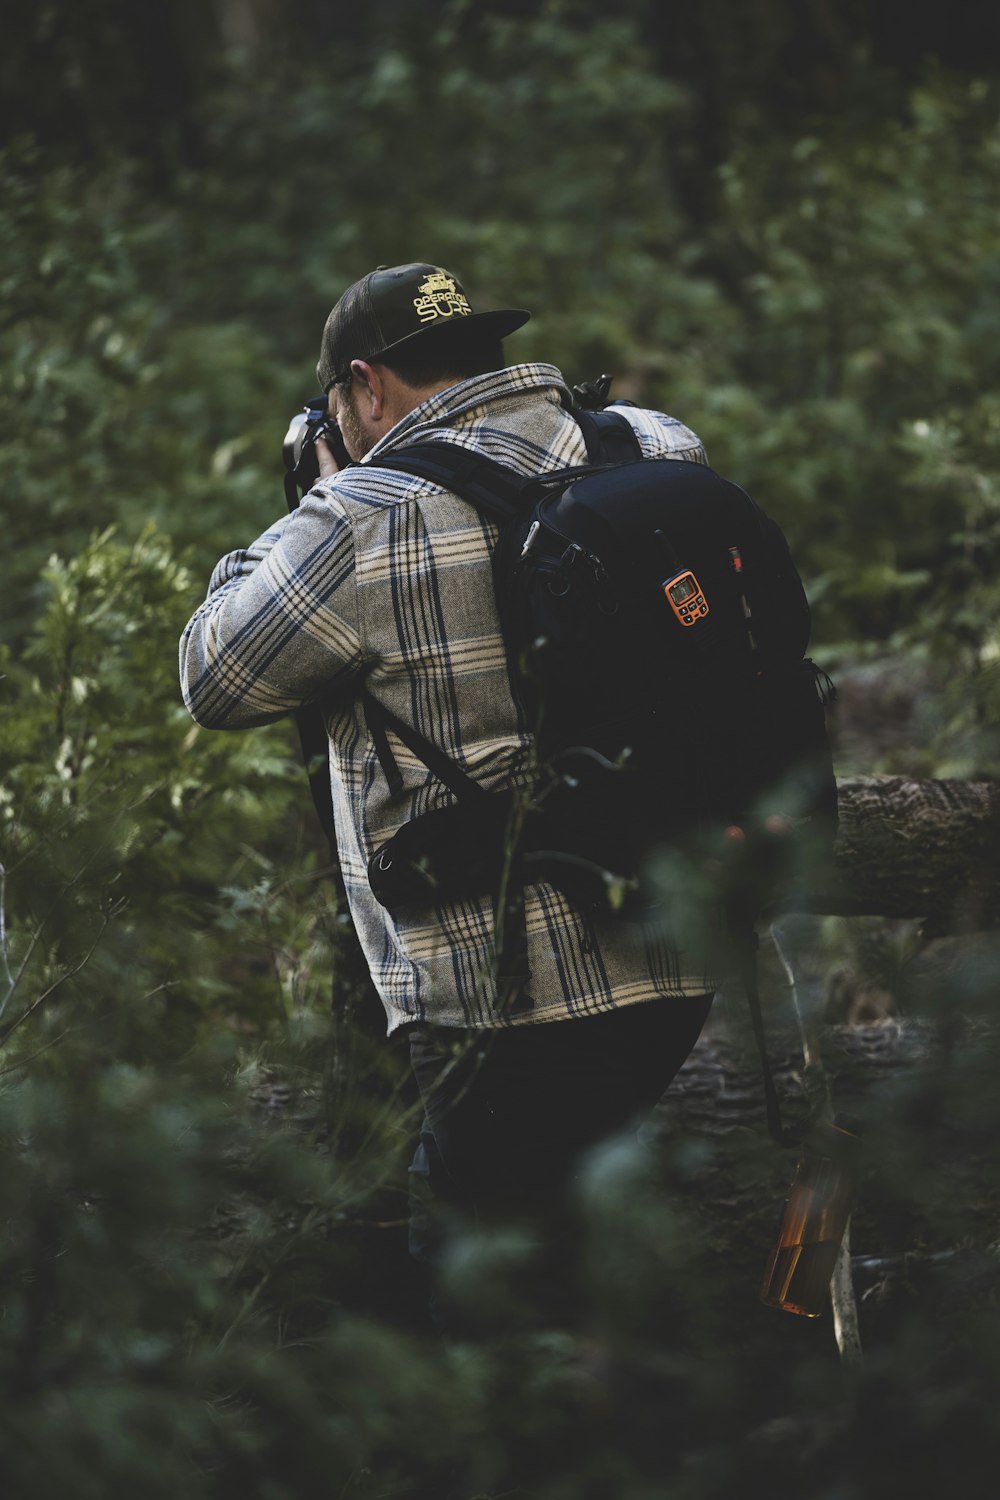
{"points": [[395, 337]]}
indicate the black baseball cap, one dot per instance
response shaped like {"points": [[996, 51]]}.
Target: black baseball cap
{"points": [[395, 305]]}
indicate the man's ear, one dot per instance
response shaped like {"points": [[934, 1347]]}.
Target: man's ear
{"points": [[371, 387]]}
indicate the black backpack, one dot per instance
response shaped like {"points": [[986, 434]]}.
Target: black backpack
{"points": [[655, 627]]}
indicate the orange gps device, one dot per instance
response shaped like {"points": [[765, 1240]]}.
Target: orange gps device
{"points": [[685, 597]]}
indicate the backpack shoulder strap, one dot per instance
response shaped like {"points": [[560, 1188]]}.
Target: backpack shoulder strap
{"points": [[480, 480], [610, 437], [494, 491], [492, 487]]}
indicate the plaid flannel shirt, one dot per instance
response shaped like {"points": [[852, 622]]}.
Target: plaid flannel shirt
{"points": [[383, 580]]}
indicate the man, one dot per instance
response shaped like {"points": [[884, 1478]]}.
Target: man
{"points": [[377, 591]]}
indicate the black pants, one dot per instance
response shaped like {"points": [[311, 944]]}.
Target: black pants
{"points": [[510, 1113]]}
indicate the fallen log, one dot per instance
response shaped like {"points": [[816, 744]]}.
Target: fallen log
{"points": [[908, 848]]}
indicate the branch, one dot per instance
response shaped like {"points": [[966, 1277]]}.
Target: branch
{"points": [[7, 1031], [12, 980], [29, 1057]]}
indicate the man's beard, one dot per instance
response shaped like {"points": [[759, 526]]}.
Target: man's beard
{"points": [[356, 441]]}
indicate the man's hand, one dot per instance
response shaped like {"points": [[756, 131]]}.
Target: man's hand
{"points": [[327, 463]]}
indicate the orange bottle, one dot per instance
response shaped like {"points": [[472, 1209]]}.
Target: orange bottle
{"points": [[798, 1273]]}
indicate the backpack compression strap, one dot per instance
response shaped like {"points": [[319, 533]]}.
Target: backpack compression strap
{"points": [[447, 771]]}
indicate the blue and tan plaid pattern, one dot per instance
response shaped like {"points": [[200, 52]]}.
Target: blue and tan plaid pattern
{"points": [[384, 580]]}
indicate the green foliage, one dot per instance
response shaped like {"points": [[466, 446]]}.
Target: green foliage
{"points": [[870, 287], [118, 399], [135, 846]]}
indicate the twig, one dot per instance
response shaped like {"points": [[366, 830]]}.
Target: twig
{"points": [[32, 945], [845, 1305], [4, 947], [846, 1327], [315, 1215], [109, 915], [29, 1057], [51, 835]]}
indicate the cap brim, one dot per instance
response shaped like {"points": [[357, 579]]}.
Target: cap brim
{"points": [[496, 324]]}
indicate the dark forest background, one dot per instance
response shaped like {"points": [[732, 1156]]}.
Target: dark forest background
{"points": [[778, 221]]}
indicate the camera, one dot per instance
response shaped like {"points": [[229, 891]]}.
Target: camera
{"points": [[299, 448]]}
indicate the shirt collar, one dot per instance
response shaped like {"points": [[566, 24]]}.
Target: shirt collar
{"points": [[441, 409]]}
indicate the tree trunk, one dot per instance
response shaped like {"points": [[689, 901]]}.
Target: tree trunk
{"points": [[928, 849]]}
